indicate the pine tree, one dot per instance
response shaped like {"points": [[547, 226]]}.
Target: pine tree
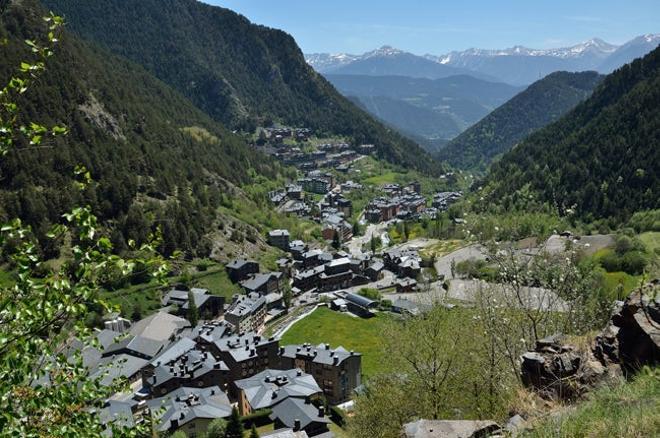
{"points": [[234, 425], [193, 311], [254, 433], [336, 243]]}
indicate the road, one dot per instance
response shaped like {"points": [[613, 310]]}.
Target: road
{"points": [[443, 264]]}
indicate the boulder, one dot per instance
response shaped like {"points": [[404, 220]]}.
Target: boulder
{"points": [[632, 338]]}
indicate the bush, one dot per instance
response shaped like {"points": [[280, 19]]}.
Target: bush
{"points": [[257, 418], [337, 416]]}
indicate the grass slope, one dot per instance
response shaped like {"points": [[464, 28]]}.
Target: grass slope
{"points": [[627, 410], [334, 328]]}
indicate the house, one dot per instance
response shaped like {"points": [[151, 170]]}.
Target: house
{"points": [[337, 371], [240, 269], [336, 224], [122, 366], [190, 410], [160, 326], [375, 271], [245, 355], [339, 305], [183, 364], [279, 239], [209, 306], [309, 279], [297, 248], [289, 394], [263, 284], [403, 262], [294, 191], [406, 284], [360, 305], [247, 312]]}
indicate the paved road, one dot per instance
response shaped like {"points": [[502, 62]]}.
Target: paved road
{"points": [[443, 264]]}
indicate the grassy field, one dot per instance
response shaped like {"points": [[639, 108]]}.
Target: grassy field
{"points": [[442, 248], [327, 326], [651, 240], [628, 410]]}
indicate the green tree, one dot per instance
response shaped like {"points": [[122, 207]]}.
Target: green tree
{"points": [[217, 428], [234, 425], [193, 311], [253, 432], [336, 241], [44, 391]]}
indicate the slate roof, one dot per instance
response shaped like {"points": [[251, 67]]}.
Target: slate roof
{"points": [[271, 387], [321, 353], [242, 347], [187, 404], [292, 409], [246, 304], [159, 326], [180, 297], [256, 281], [142, 346], [119, 412], [123, 365], [238, 263]]}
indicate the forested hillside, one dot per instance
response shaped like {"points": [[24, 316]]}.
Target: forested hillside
{"points": [[601, 160], [155, 158], [540, 104], [239, 73]]}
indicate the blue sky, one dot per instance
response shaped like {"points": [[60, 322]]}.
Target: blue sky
{"points": [[439, 26]]}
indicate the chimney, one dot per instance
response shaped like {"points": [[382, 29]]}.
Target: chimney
{"points": [[321, 411], [281, 350], [296, 425], [175, 423]]}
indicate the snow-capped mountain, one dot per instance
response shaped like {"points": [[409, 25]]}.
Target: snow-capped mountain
{"points": [[517, 65], [326, 61], [595, 47]]}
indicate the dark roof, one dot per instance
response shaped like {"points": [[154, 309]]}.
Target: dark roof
{"points": [[360, 300], [321, 353], [142, 346], [187, 404], [123, 365], [292, 409], [271, 387], [239, 263]]}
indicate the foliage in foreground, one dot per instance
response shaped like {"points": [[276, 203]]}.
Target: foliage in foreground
{"points": [[46, 389], [630, 409]]}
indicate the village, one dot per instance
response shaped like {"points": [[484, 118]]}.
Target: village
{"points": [[205, 352], [201, 354]]}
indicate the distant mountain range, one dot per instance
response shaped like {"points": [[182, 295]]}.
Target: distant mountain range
{"points": [[425, 108], [517, 65]]}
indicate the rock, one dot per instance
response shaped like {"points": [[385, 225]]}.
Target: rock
{"points": [[450, 429], [515, 425], [630, 341]]}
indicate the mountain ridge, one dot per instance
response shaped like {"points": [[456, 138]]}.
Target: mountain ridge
{"points": [[535, 107], [187, 44]]}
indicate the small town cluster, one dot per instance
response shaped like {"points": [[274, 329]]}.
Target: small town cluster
{"points": [[190, 374]]}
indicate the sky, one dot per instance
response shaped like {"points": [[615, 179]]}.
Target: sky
{"points": [[440, 26]]}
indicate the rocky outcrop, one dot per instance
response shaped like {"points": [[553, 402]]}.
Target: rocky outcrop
{"points": [[450, 429], [630, 341]]}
